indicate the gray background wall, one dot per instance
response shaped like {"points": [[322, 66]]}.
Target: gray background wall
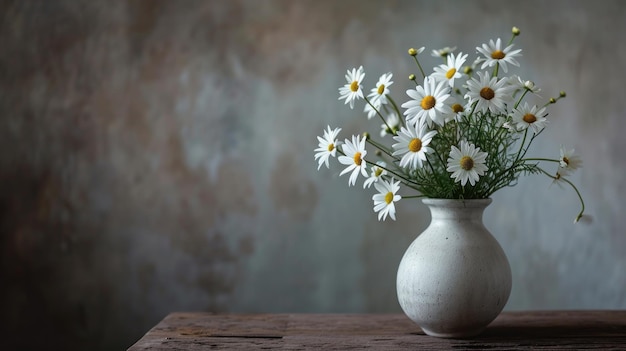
{"points": [[157, 156]]}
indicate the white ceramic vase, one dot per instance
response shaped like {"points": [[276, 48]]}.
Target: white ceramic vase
{"points": [[454, 279]]}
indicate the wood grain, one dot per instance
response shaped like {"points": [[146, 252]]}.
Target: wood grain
{"points": [[567, 330]]}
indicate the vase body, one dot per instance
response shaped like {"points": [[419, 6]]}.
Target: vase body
{"points": [[454, 279]]}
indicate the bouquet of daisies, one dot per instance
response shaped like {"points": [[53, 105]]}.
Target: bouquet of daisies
{"points": [[464, 133]]}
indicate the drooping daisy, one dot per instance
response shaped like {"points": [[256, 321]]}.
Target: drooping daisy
{"points": [[443, 52], [468, 163], [372, 110], [352, 90], [525, 116], [569, 162], [392, 126], [491, 93], [470, 69], [507, 123], [378, 95], [412, 144], [493, 54], [428, 103], [385, 199], [451, 70], [354, 158], [327, 146], [376, 173], [519, 83]]}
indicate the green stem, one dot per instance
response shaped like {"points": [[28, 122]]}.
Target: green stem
{"points": [[419, 66], [405, 179], [539, 159], [395, 107], [380, 147], [520, 98], [530, 142], [434, 173], [511, 40], [582, 202], [521, 146], [378, 113]]}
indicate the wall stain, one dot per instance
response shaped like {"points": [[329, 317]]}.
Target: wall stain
{"points": [[295, 195]]}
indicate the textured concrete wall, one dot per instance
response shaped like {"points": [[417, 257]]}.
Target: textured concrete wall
{"points": [[157, 156]]}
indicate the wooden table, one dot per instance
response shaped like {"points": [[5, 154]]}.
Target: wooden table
{"points": [[571, 330]]}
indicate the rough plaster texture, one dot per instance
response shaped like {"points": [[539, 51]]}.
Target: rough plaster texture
{"points": [[157, 156]]}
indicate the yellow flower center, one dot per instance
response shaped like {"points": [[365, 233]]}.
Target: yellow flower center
{"points": [[566, 160], [378, 172], [381, 89], [467, 163], [498, 55], [357, 158], [389, 197], [331, 147], [354, 86], [487, 93], [529, 118], [450, 73], [457, 108], [415, 145], [428, 102]]}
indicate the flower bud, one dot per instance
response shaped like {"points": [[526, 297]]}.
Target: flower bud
{"points": [[412, 52], [467, 70], [552, 100], [366, 135], [562, 93], [515, 31], [529, 85], [412, 77]]}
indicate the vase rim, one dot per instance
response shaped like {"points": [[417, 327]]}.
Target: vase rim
{"points": [[457, 202]]}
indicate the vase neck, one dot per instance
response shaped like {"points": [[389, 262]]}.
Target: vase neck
{"points": [[457, 209]]}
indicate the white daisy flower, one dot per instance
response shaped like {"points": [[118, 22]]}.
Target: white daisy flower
{"points": [[451, 70], [428, 103], [352, 90], [493, 54], [530, 116], [568, 162], [393, 122], [491, 93], [354, 158], [443, 52], [412, 144], [468, 163], [378, 95], [456, 109], [376, 174], [327, 146], [385, 199]]}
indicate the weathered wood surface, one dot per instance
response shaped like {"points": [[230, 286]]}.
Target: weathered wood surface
{"points": [[568, 330]]}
